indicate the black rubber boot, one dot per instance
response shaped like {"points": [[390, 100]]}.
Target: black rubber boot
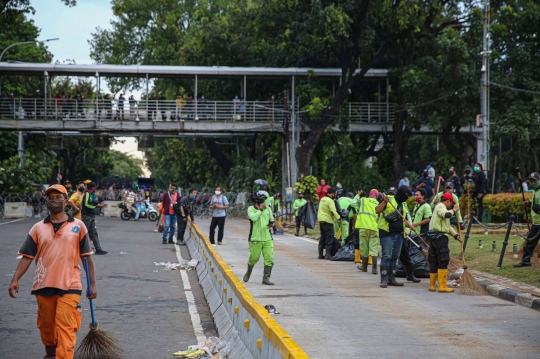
{"points": [[328, 252], [392, 278], [522, 264], [384, 277], [266, 276], [248, 273], [364, 264], [374, 265], [410, 274]]}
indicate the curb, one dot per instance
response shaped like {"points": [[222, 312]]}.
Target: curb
{"points": [[511, 295]]}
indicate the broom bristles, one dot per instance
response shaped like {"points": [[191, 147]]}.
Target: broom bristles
{"points": [[99, 344], [470, 286]]}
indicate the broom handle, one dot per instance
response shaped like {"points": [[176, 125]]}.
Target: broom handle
{"points": [[523, 196], [89, 292], [462, 249], [407, 222]]}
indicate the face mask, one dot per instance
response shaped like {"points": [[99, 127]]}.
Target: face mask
{"points": [[219, 192], [338, 186], [55, 206], [260, 201], [301, 197], [192, 197], [425, 175], [451, 173], [534, 185], [91, 190], [476, 168], [81, 189], [172, 189], [418, 199]]}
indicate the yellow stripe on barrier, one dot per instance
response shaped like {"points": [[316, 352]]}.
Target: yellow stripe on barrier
{"points": [[275, 333]]}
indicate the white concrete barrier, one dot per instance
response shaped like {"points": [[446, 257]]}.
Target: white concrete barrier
{"points": [[112, 209], [15, 210], [241, 320]]}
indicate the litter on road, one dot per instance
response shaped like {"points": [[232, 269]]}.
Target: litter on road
{"points": [[184, 264], [212, 348]]}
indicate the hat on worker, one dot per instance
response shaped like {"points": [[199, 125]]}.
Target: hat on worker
{"points": [[449, 185], [392, 190], [87, 181], [448, 197], [373, 193], [534, 176], [56, 187]]}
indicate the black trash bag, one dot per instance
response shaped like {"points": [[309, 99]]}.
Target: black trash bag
{"points": [[345, 253], [310, 216], [336, 247], [420, 266]]}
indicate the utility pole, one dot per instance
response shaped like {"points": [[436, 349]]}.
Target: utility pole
{"points": [[484, 155]]}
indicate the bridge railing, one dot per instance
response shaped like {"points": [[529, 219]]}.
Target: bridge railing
{"points": [[173, 110]]}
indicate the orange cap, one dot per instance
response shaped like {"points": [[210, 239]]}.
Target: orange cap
{"points": [[56, 187]]}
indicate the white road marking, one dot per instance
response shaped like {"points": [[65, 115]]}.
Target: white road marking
{"points": [[17, 220], [194, 314], [304, 239]]}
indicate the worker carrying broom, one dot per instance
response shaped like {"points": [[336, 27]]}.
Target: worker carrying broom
{"points": [[57, 244], [261, 219], [439, 253]]}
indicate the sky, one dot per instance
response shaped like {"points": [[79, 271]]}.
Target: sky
{"points": [[74, 26]]}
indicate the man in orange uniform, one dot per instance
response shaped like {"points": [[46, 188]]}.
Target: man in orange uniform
{"points": [[57, 243]]}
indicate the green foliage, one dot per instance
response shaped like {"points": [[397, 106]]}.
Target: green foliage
{"points": [[505, 204], [308, 185], [20, 179], [242, 176], [126, 166]]}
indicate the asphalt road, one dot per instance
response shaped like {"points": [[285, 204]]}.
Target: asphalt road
{"points": [[333, 310], [145, 306]]}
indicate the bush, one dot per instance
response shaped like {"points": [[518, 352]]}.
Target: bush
{"points": [[308, 185], [500, 205]]}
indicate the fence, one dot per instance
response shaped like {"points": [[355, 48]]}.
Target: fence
{"points": [[240, 319], [172, 110]]}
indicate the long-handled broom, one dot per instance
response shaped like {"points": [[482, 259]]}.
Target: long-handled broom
{"points": [[98, 343], [468, 285]]}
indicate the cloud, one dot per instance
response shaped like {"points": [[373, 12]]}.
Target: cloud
{"points": [[73, 26]]}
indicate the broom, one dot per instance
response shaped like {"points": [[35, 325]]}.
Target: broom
{"points": [[468, 285], [97, 344], [425, 253]]}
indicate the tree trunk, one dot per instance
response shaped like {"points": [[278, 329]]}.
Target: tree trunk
{"points": [[401, 140], [223, 161]]}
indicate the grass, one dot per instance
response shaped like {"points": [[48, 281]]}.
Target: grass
{"points": [[486, 260]]}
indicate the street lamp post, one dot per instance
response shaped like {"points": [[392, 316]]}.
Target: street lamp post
{"points": [[21, 141]]}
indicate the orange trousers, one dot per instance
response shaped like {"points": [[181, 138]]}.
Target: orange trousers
{"points": [[58, 322]]}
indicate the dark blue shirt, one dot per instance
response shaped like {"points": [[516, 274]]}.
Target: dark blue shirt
{"points": [[428, 187]]}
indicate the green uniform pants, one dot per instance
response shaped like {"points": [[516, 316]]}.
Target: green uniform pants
{"points": [[267, 249], [369, 242], [344, 231]]}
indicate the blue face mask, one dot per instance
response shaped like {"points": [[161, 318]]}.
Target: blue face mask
{"points": [[476, 168], [192, 196]]}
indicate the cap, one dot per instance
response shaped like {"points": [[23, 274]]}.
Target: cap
{"points": [[392, 190], [67, 181], [373, 193], [350, 195], [56, 187], [87, 181], [534, 176], [300, 192], [406, 175], [449, 185], [448, 197]]}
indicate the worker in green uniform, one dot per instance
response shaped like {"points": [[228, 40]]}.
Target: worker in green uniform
{"points": [[298, 203], [421, 212], [355, 204], [326, 215], [275, 205], [260, 240], [439, 253], [533, 236], [366, 221], [449, 188], [346, 215]]}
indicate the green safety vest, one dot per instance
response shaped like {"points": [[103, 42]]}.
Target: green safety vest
{"points": [[383, 223], [366, 215]]}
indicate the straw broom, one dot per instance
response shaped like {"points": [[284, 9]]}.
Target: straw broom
{"points": [[469, 285], [98, 343]]}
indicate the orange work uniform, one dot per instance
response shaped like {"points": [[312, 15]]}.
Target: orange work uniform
{"points": [[57, 249]]}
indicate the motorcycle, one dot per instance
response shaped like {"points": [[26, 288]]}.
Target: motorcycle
{"points": [[147, 211]]}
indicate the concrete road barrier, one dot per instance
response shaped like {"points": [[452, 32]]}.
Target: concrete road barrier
{"points": [[15, 210], [240, 319], [112, 209]]}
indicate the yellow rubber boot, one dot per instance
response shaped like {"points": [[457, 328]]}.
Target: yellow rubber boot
{"points": [[432, 281], [357, 256], [370, 262], [443, 273]]}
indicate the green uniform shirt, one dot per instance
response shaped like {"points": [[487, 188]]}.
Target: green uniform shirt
{"points": [[456, 199], [535, 217], [439, 223], [422, 211], [367, 216], [383, 223], [356, 202], [344, 203], [259, 224], [297, 204], [327, 210]]}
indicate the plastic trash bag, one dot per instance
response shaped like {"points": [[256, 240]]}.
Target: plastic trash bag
{"points": [[310, 216], [420, 266], [345, 253]]}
